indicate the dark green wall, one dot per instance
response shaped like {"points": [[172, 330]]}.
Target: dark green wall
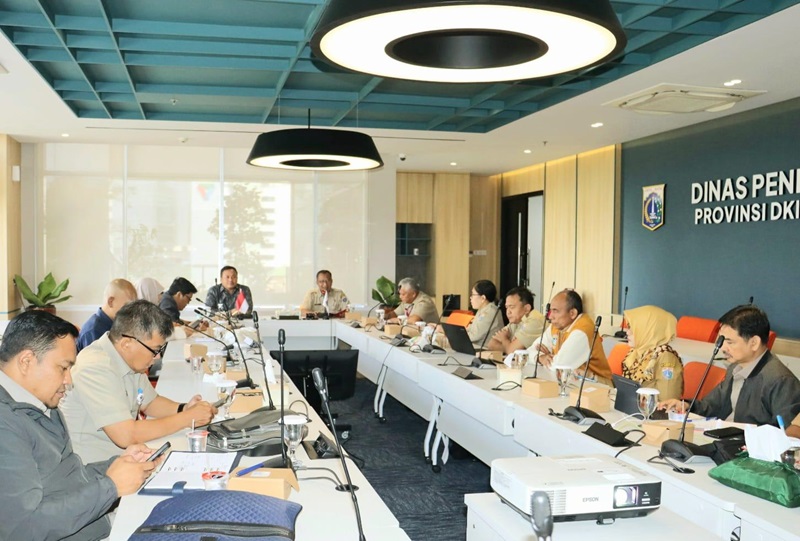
{"points": [[704, 270]]}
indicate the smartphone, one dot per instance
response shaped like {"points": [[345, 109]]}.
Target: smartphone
{"points": [[196, 323], [724, 433], [161, 450]]}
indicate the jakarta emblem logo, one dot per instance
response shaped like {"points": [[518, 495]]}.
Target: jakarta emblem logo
{"points": [[653, 206]]}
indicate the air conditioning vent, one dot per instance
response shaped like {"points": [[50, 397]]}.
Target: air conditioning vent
{"points": [[667, 99]]}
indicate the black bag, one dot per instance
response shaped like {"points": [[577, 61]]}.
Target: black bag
{"points": [[220, 515]]}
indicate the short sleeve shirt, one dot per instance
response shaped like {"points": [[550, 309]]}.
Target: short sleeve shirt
{"points": [[105, 392], [337, 301], [423, 307], [527, 330]]}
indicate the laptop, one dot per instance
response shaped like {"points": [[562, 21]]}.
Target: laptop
{"points": [[627, 401], [459, 339]]}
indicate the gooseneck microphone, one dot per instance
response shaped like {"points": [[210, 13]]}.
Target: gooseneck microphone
{"points": [[577, 414], [322, 389], [541, 337], [281, 346], [621, 332], [263, 362], [683, 451], [477, 361], [247, 381], [430, 348], [541, 516]]}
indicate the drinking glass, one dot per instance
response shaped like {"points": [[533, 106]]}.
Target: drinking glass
{"points": [[215, 363], [647, 399], [563, 375], [294, 431]]}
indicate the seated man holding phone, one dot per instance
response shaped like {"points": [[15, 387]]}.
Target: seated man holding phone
{"points": [[112, 404], [48, 491], [175, 299], [757, 386]]}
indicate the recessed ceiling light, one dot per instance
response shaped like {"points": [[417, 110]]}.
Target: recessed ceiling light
{"points": [[732, 82], [64, 135], [467, 41], [453, 164], [527, 151], [597, 125]]}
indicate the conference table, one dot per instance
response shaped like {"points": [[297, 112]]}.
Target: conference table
{"points": [[494, 424], [327, 513]]}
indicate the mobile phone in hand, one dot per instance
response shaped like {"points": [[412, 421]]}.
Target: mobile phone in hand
{"points": [[161, 450]]}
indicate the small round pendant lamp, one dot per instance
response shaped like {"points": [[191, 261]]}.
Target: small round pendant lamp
{"points": [[315, 149], [468, 41]]}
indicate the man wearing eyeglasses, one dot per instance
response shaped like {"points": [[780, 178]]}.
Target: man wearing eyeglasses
{"points": [[112, 404]]}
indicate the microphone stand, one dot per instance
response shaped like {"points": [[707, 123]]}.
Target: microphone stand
{"points": [[322, 389], [477, 362], [430, 348], [225, 346], [577, 414], [621, 332], [539, 350], [247, 381], [679, 449], [263, 362]]}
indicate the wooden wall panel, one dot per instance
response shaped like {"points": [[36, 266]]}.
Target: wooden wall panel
{"points": [[10, 226], [414, 198], [560, 191], [484, 229], [595, 231], [451, 227], [527, 180]]}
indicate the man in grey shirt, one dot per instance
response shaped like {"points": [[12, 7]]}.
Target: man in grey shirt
{"points": [[47, 492]]}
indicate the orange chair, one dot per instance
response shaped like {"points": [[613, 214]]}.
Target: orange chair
{"points": [[693, 372], [771, 340], [697, 328], [616, 357], [460, 318]]}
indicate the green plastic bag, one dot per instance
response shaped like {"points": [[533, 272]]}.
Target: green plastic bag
{"points": [[773, 481]]}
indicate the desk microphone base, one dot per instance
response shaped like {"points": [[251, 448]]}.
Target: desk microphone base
{"points": [[582, 416], [687, 453]]}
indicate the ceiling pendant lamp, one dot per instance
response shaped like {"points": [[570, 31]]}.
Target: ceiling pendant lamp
{"points": [[315, 149], [468, 41]]}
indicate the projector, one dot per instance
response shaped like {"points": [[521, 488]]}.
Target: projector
{"points": [[586, 487]]}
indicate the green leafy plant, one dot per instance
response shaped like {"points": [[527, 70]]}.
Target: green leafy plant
{"points": [[47, 293], [385, 292]]}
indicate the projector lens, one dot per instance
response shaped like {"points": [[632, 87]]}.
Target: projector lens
{"points": [[625, 496]]}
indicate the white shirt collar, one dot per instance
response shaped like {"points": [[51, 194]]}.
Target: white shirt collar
{"points": [[21, 394]]}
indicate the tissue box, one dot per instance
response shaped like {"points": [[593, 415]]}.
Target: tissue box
{"points": [[539, 388], [352, 316], [657, 432], [368, 321], [593, 397], [194, 350], [496, 356], [267, 481], [506, 374], [391, 329]]}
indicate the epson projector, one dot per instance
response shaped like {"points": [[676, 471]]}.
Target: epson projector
{"points": [[589, 487]]}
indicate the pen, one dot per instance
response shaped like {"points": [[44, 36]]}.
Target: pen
{"points": [[780, 422], [249, 469]]}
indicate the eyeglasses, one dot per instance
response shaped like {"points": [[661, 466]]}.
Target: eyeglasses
{"points": [[155, 352]]}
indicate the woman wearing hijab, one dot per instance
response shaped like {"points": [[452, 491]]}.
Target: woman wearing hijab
{"points": [[651, 362]]}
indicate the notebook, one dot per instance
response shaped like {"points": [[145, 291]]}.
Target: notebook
{"points": [[626, 400], [183, 471]]}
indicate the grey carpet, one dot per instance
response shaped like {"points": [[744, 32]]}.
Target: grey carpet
{"points": [[429, 506]]}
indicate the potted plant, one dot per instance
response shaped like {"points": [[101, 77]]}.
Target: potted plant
{"points": [[385, 292], [47, 293]]}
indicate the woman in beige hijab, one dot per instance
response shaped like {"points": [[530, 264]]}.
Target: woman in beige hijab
{"points": [[651, 361]]}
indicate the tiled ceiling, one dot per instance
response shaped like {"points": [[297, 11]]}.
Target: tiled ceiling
{"points": [[248, 61]]}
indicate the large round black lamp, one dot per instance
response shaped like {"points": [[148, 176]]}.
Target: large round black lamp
{"points": [[315, 149], [468, 41]]}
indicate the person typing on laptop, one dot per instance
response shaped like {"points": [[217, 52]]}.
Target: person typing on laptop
{"points": [[651, 362]]}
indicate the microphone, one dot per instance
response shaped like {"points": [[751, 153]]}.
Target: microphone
{"points": [[552, 288], [477, 361], [322, 389], [541, 516], [247, 381], [684, 451], [544, 328], [576, 413], [263, 362], [621, 332], [284, 459], [430, 348], [374, 307]]}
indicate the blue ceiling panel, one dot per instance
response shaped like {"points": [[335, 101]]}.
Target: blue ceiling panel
{"points": [[249, 61]]}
